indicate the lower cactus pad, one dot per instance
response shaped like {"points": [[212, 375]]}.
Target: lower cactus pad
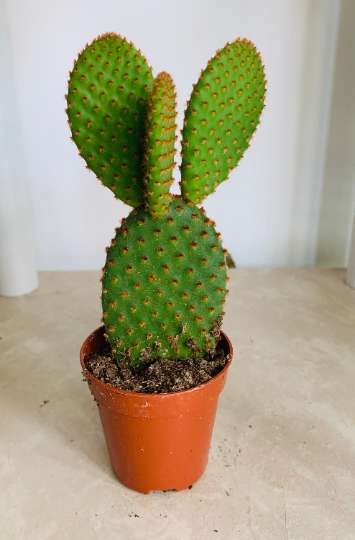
{"points": [[164, 285]]}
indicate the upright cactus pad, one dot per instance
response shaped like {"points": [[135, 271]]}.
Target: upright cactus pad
{"points": [[164, 282], [221, 117], [107, 98], [160, 149]]}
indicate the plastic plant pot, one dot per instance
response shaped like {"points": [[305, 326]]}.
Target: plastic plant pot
{"points": [[157, 441]]}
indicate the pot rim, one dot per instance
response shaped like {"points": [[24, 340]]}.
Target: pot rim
{"points": [[152, 396]]}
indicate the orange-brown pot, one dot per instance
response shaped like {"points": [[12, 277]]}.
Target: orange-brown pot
{"points": [[157, 441]]}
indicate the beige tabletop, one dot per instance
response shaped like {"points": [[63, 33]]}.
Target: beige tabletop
{"points": [[282, 459]]}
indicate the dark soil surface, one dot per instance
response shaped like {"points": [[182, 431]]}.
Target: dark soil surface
{"points": [[158, 375]]}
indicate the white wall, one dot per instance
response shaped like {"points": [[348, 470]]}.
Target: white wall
{"points": [[268, 212], [339, 179]]}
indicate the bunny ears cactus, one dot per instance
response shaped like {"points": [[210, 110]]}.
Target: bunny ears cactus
{"points": [[221, 118], [107, 98], [160, 144], [124, 123], [164, 281]]}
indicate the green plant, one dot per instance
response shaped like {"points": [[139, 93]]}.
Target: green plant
{"points": [[164, 281]]}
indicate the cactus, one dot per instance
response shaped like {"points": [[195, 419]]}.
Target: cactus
{"points": [[160, 147], [107, 97], [164, 281], [221, 118]]}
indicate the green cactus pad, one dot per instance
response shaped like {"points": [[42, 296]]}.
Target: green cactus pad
{"points": [[160, 150], [221, 117], [164, 283], [108, 91]]}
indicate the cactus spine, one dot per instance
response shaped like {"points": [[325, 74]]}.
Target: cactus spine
{"points": [[164, 281]]}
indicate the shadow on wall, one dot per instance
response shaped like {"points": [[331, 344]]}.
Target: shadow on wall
{"points": [[339, 179]]}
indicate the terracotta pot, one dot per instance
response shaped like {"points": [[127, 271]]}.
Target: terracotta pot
{"points": [[157, 441]]}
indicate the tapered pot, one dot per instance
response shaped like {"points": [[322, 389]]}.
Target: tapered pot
{"points": [[157, 441]]}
